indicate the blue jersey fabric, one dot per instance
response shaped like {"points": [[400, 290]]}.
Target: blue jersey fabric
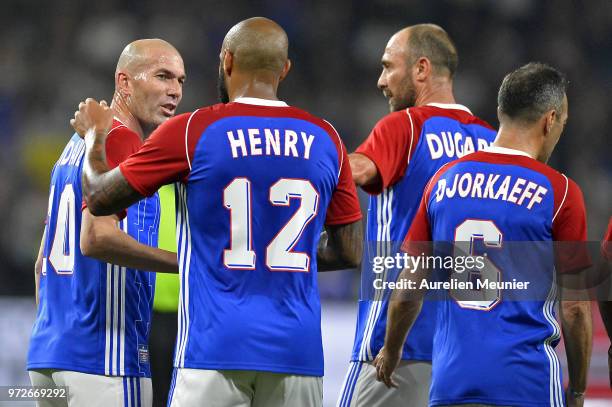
{"points": [[442, 134], [499, 351], [258, 174], [93, 317]]}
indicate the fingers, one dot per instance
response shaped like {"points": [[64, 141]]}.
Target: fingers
{"points": [[384, 372]]}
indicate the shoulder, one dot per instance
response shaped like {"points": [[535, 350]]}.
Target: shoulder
{"points": [[420, 114]]}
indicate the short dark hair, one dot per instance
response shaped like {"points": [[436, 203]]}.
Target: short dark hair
{"points": [[530, 91], [432, 42]]}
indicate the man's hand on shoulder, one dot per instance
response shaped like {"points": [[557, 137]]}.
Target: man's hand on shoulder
{"points": [[92, 117]]}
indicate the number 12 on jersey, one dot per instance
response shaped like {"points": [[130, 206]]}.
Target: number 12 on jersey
{"points": [[279, 254]]}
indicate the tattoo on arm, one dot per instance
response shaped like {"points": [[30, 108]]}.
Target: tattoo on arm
{"points": [[106, 192]]}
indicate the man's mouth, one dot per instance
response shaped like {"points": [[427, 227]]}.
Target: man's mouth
{"points": [[168, 109]]}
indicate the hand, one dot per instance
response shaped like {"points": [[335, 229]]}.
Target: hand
{"points": [[92, 116], [573, 399], [385, 364]]}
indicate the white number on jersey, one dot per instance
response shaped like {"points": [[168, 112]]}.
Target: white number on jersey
{"points": [[279, 254], [61, 255], [465, 235]]}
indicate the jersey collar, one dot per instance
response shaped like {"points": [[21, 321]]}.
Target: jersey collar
{"points": [[450, 106], [504, 150], [261, 102]]}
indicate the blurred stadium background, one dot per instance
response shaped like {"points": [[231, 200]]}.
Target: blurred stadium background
{"points": [[55, 53]]}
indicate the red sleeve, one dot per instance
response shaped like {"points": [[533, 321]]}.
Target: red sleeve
{"points": [[344, 205], [121, 142], [162, 158], [418, 238], [389, 146], [606, 247], [570, 232]]}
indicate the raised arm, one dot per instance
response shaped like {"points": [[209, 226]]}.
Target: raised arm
{"points": [[106, 192], [102, 239], [340, 247]]}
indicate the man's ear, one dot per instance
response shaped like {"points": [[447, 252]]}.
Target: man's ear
{"points": [[122, 84], [550, 118], [228, 62], [422, 69], [286, 70]]}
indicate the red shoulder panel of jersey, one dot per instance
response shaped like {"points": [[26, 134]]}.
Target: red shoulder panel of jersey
{"points": [[121, 142], [393, 140], [389, 146], [569, 213], [167, 155]]}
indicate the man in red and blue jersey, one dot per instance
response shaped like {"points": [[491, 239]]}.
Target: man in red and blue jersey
{"points": [[92, 326], [492, 347], [257, 180], [425, 129]]}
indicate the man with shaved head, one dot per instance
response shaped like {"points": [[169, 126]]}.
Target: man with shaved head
{"points": [[93, 322], [257, 182], [425, 130]]}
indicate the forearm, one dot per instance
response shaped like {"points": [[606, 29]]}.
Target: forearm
{"points": [[106, 192], [121, 249], [578, 335], [400, 318], [340, 247], [404, 308], [363, 169]]}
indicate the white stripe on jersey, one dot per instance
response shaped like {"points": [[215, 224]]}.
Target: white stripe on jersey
{"points": [[383, 248], [556, 392], [107, 351], [184, 265], [123, 271], [181, 250], [115, 318]]}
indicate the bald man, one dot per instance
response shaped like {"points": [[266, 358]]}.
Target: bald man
{"points": [[257, 182], [92, 327], [425, 130]]}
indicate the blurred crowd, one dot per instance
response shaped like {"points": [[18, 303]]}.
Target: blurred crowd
{"points": [[55, 53]]}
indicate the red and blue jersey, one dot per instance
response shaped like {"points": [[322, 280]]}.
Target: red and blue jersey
{"points": [[93, 317], [256, 181], [407, 147], [492, 349]]}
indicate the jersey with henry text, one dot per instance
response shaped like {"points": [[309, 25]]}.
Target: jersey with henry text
{"points": [[257, 181]]}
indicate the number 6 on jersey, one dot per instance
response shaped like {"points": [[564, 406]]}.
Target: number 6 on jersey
{"points": [[279, 254]]}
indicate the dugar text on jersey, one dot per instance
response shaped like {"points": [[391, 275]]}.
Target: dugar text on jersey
{"points": [[408, 147]]}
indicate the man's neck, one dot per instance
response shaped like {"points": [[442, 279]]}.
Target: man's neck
{"points": [[255, 87], [518, 139], [123, 114], [437, 92]]}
